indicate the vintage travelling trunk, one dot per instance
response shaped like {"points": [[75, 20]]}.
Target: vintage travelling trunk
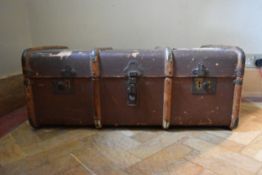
{"points": [[103, 87]]}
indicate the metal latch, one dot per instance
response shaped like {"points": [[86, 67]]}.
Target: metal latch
{"points": [[133, 71], [200, 71], [201, 86], [68, 71], [132, 88], [62, 86]]}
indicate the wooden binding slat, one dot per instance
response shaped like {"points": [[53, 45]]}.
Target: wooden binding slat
{"points": [[28, 83], [95, 68], [238, 88], [167, 101], [30, 103]]}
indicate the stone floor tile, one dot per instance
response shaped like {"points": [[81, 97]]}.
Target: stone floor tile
{"points": [[139, 151], [146, 135], [212, 157], [96, 162], [240, 161], [162, 161], [154, 145], [207, 172], [219, 166], [25, 135], [201, 145], [259, 172], [220, 133], [9, 150], [254, 149], [243, 138], [221, 141], [55, 166], [116, 154], [78, 170], [113, 140], [185, 167], [128, 133], [25, 164], [7, 139]]}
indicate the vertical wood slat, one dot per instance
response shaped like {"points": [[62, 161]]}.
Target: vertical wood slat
{"points": [[28, 83], [167, 101], [30, 103], [95, 68], [238, 87], [236, 105]]}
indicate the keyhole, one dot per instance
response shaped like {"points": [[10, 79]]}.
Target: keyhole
{"points": [[61, 86], [199, 84], [209, 84]]}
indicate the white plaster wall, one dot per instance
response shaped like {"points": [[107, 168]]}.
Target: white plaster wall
{"points": [[14, 35], [84, 24], [146, 23]]}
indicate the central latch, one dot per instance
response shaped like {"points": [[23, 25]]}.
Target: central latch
{"points": [[201, 83], [200, 71], [133, 72], [132, 88]]}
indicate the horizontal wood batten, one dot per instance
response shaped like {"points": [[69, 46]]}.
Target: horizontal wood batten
{"points": [[11, 93]]}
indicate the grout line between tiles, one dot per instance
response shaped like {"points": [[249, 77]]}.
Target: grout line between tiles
{"points": [[82, 164]]}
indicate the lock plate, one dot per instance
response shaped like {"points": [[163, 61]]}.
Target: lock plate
{"points": [[132, 88], [202, 86], [63, 86], [133, 71]]}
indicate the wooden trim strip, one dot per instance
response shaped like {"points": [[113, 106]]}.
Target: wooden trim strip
{"points": [[30, 103], [167, 101], [28, 88], [12, 95], [238, 88], [95, 68]]}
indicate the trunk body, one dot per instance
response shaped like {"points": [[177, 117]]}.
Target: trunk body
{"points": [[166, 87]]}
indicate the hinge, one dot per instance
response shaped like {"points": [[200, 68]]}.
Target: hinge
{"points": [[27, 82], [28, 73], [238, 81], [97, 123], [239, 72], [169, 55], [68, 71], [200, 70]]}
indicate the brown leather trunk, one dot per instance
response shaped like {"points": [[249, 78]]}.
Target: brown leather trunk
{"points": [[166, 87]]}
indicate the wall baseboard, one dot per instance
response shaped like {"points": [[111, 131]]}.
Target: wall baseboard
{"points": [[252, 86], [11, 93]]}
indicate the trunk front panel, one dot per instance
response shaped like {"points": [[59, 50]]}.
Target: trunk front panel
{"points": [[58, 105], [115, 108], [202, 109]]}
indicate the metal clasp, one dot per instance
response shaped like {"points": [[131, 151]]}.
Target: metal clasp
{"points": [[132, 88], [62, 86], [201, 86], [133, 71], [68, 71], [200, 70]]}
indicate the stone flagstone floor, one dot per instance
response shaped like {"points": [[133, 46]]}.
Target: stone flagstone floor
{"points": [[205, 151]]}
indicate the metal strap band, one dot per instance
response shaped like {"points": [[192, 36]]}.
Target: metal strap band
{"points": [[238, 81]]}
